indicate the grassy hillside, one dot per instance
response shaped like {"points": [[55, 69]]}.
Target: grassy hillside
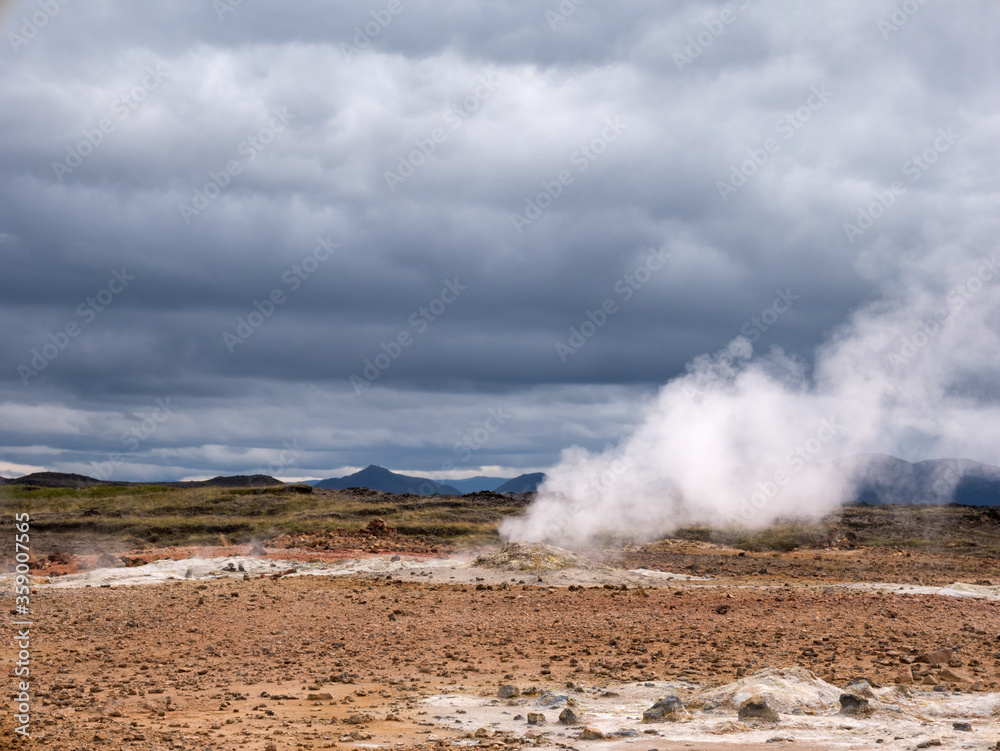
{"points": [[75, 520]]}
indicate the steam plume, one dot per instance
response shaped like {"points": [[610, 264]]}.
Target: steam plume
{"points": [[744, 439]]}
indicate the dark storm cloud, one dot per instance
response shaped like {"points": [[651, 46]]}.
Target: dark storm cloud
{"points": [[529, 156]]}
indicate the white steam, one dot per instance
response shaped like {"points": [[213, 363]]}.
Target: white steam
{"points": [[747, 440]]}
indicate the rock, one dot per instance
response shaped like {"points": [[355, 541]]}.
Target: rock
{"points": [[378, 528], [730, 727], [668, 709], [623, 733], [940, 657], [481, 733], [962, 726], [508, 692], [905, 675], [549, 699], [757, 708], [590, 734], [854, 705], [928, 744], [722, 609], [536, 718], [784, 689], [950, 676], [861, 686], [319, 697], [538, 557], [568, 717]]}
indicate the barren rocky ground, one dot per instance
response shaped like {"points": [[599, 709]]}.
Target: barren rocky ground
{"points": [[387, 659]]}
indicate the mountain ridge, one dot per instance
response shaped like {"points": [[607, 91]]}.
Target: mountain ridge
{"points": [[374, 477]]}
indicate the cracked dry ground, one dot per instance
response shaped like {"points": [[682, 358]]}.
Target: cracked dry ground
{"points": [[304, 662]]}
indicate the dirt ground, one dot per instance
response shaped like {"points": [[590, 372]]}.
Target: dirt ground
{"points": [[829, 564], [387, 659]]}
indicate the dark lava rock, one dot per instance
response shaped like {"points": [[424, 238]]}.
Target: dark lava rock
{"points": [[757, 708], [668, 709]]}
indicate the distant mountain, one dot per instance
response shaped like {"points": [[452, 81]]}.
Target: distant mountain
{"points": [[379, 478], [522, 483], [236, 481], [477, 484], [883, 479], [58, 480], [67, 480]]}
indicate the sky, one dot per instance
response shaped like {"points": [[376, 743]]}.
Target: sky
{"points": [[452, 238]]}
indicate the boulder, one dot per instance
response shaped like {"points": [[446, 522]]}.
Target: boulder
{"points": [[854, 705], [508, 692], [951, 676], [940, 657], [668, 709], [568, 717], [757, 708]]}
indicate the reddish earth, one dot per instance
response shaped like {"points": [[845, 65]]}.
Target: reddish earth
{"points": [[232, 664]]}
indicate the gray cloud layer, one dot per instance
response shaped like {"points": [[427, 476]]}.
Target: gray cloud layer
{"points": [[411, 135]]}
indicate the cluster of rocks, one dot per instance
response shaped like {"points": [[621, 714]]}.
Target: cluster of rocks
{"points": [[777, 691], [934, 668]]}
